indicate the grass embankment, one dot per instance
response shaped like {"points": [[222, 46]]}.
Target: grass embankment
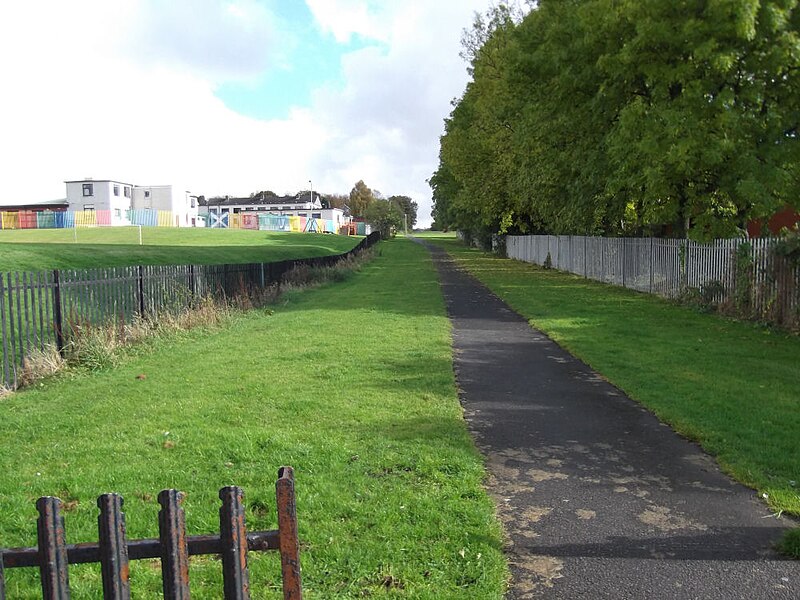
{"points": [[351, 384], [732, 386], [34, 250]]}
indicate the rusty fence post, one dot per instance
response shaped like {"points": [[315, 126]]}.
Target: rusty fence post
{"points": [[2, 579], [233, 538], [113, 548], [53, 567], [174, 549], [287, 533]]}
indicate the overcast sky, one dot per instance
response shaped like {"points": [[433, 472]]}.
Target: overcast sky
{"points": [[228, 97]]}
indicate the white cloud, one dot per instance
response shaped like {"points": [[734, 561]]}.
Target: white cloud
{"points": [[114, 89], [219, 40]]}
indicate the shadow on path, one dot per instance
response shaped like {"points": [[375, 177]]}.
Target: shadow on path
{"points": [[599, 499]]}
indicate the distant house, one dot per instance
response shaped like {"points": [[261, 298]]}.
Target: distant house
{"points": [[300, 205]]}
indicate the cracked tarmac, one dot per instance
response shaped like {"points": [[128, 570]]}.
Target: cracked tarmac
{"points": [[598, 498]]}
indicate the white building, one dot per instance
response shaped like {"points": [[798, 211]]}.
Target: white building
{"points": [[101, 194], [118, 197], [175, 199]]}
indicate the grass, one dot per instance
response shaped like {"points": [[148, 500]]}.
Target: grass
{"points": [[352, 384], [732, 386], [38, 249]]}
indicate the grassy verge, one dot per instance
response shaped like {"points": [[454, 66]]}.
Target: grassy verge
{"points": [[732, 386], [351, 384], [33, 250]]}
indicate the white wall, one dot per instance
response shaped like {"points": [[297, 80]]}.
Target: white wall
{"points": [[172, 198], [102, 198]]}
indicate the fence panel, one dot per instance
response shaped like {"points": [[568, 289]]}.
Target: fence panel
{"points": [[114, 551], [39, 310], [670, 267]]}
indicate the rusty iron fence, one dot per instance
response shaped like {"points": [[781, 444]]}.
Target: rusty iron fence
{"points": [[767, 289], [113, 551], [41, 309]]}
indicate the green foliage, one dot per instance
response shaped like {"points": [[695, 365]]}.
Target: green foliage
{"points": [[625, 117], [407, 207], [789, 246], [360, 198], [384, 216], [790, 544]]}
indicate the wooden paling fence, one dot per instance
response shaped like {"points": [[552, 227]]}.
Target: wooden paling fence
{"points": [[770, 290], [40, 310], [113, 551]]}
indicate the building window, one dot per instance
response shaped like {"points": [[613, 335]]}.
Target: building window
{"points": [[127, 191], [116, 190], [286, 208], [118, 213], [316, 215], [88, 207], [194, 202], [88, 189], [147, 193]]}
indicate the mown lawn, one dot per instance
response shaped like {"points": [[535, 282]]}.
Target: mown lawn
{"points": [[732, 386], [38, 249], [351, 384]]}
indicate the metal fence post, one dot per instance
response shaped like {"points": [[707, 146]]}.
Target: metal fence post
{"points": [[287, 528], [113, 548], [53, 565], [58, 317], [233, 538], [140, 290], [174, 549], [2, 580]]}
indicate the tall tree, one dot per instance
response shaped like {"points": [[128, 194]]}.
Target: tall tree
{"points": [[360, 198], [385, 217], [407, 207]]}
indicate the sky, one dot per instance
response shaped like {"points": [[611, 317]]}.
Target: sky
{"points": [[228, 96]]}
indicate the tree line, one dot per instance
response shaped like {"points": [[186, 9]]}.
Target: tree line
{"points": [[624, 117]]}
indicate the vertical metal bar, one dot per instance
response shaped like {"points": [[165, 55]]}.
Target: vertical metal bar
{"points": [[12, 329], [53, 567], [287, 535], [2, 580], [20, 329], [233, 539], [4, 335], [192, 286], [58, 318], [47, 303], [140, 288], [174, 550], [25, 286], [40, 283], [113, 548]]}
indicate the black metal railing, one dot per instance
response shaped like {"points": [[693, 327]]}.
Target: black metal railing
{"points": [[41, 309]]}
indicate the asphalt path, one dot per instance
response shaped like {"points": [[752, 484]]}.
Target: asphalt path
{"points": [[599, 499]]}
